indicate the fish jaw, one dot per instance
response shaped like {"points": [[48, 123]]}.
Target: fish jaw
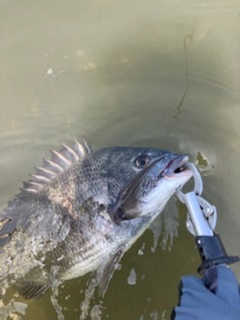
{"points": [[176, 169], [174, 175]]}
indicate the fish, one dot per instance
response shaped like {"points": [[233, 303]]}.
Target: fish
{"points": [[81, 211]]}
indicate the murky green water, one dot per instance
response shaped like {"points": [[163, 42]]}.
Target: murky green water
{"points": [[155, 73]]}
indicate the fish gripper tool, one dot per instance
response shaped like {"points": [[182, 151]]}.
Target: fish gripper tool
{"points": [[201, 222]]}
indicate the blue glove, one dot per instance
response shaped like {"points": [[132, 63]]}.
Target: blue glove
{"points": [[215, 297]]}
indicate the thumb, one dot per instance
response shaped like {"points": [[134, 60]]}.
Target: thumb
{"points": [[223, 283]]}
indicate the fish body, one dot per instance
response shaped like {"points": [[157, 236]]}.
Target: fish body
{"points": [[82, 211]]}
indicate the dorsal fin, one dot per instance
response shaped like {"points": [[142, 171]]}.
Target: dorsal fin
{"points": [[60, 161]]}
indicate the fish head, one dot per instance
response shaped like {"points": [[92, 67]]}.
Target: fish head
{"points": [[140, 181]]}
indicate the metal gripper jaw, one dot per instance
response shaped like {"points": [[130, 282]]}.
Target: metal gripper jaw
{"points": [[201, 222]]}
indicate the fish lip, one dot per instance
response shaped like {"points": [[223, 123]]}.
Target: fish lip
{"points": [[177, 163]]}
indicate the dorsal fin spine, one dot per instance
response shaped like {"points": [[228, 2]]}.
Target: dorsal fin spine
{"points": [[79, 149], [28, 190], [40, 178], [55, 168], [56, 156], [87, 146], [46, 171], [59, 162], [71, 151]]}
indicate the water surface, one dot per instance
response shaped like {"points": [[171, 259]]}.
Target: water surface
{"points": [[157, 73]]}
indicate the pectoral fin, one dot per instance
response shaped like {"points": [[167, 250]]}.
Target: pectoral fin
{"points": [[108, 271], [32, 290]]}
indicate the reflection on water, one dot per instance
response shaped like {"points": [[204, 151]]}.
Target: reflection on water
{"points": [[156, 74]]}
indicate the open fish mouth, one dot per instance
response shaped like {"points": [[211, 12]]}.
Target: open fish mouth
{"points": [[176, 167]]}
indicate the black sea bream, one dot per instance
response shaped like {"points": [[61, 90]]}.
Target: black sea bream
{"points": [[81, 211]]}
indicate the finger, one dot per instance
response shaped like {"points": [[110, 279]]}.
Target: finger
{"points": [[223, 282], [173, 314], [188, 288], [191, 288]]}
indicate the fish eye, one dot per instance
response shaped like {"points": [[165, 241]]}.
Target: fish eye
{"points": [[142, 161]]}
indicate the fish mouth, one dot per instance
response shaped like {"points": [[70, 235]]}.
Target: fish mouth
{"points": [[177, 167]]}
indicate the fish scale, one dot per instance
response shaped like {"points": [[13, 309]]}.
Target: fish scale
{"points": [[81, 211]]}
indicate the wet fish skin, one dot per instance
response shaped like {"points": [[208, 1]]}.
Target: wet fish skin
{"points": [[80, 210]]}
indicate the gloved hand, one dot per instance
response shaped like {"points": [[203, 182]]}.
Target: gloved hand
{"points": [[215, 297]]}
